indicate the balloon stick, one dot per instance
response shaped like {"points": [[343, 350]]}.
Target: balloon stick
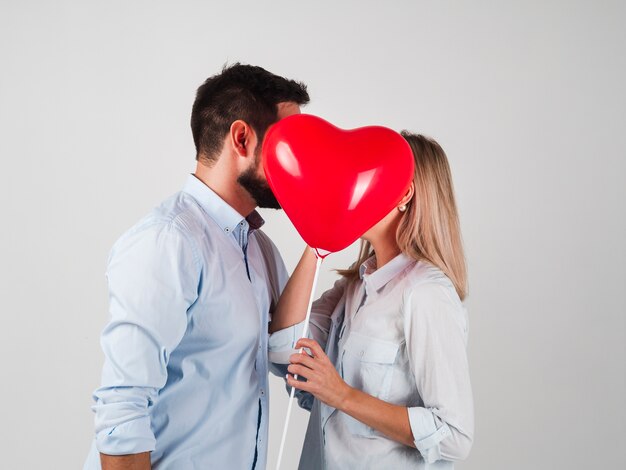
{"points": [[305, 331]]}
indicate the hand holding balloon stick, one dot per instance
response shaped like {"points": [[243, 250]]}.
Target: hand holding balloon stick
{"points": [[334, 185]]}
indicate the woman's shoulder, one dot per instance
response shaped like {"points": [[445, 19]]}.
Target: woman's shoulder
{"points": [[425, 281], [423, 272], [429, 295]]}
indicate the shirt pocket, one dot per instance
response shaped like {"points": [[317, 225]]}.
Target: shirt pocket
{"points": [[367, 365]]}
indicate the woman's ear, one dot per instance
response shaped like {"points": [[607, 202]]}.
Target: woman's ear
{"points": [[241, 138], [408, 196]]}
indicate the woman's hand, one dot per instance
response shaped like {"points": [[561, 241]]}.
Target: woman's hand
{"points": [[326, 385], [323, 381]]}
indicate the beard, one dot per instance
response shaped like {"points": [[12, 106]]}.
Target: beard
{"points": [[258, 188]]}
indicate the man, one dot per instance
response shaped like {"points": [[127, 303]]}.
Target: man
{"points": [[185, 378]]}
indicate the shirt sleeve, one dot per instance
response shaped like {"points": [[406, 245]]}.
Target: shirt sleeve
{"points": [[436, 334], [153, 275]]}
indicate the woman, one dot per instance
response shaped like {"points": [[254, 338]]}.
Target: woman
{"points": [[387, 375]]}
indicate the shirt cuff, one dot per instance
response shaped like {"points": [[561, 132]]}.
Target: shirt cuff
{"points": [[281, 343], [426, 435], [131, 437]]}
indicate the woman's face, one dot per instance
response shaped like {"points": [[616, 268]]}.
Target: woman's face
{"points": [[390, 222]]}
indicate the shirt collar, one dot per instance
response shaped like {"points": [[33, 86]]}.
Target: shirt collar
{"points": [[378, 278], [218, 209]]}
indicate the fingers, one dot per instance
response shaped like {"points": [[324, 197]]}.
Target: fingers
{"points": [[301, 371], [304, 359], [292, 382], [312, 345]]}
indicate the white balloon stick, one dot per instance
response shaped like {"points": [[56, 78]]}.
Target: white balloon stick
{"points": [[305, 331]]}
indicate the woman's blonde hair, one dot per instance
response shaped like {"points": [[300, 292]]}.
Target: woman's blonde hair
{"points": [[429, 230]]}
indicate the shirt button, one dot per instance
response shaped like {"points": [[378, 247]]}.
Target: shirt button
{"points": [[262, 392], [362, 353]]}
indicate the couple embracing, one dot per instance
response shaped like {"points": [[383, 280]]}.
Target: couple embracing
{"points": [[202, 309]]}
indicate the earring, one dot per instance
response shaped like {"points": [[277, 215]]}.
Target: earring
{"points": [[402, 208]]}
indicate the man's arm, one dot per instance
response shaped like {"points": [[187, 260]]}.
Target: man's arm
{"points": [[126, 462], [153, 277]]}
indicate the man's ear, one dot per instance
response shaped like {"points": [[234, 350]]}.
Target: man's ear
{"points": [[241, 138]]}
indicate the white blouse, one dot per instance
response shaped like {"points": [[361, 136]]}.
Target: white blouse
{"points": [[399, 334]]}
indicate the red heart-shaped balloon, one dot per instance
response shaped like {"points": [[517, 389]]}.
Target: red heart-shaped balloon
{"points": [[335, 184]]}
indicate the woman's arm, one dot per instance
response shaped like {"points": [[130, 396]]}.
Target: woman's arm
{"points": [[291, 308], [436, 332], [326, 385], [288, 318]]}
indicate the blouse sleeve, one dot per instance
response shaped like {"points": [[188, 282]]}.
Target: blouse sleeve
{"points": [[435, 325]]}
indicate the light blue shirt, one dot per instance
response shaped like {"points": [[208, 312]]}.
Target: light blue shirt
{"points": [[185, 374]]}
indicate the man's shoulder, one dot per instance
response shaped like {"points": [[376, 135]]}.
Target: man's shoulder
{"points": [[182, 211], [178, 213]]}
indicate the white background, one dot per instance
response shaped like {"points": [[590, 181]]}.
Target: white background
{"points": [[527, 98]]}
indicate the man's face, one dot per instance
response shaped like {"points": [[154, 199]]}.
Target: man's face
{"points": [[253, 179]]}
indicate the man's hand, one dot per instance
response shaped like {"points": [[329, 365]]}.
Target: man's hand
{"points": [[126, 462]]}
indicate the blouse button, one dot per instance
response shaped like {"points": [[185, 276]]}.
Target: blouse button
{"points": [[362, 353]]}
